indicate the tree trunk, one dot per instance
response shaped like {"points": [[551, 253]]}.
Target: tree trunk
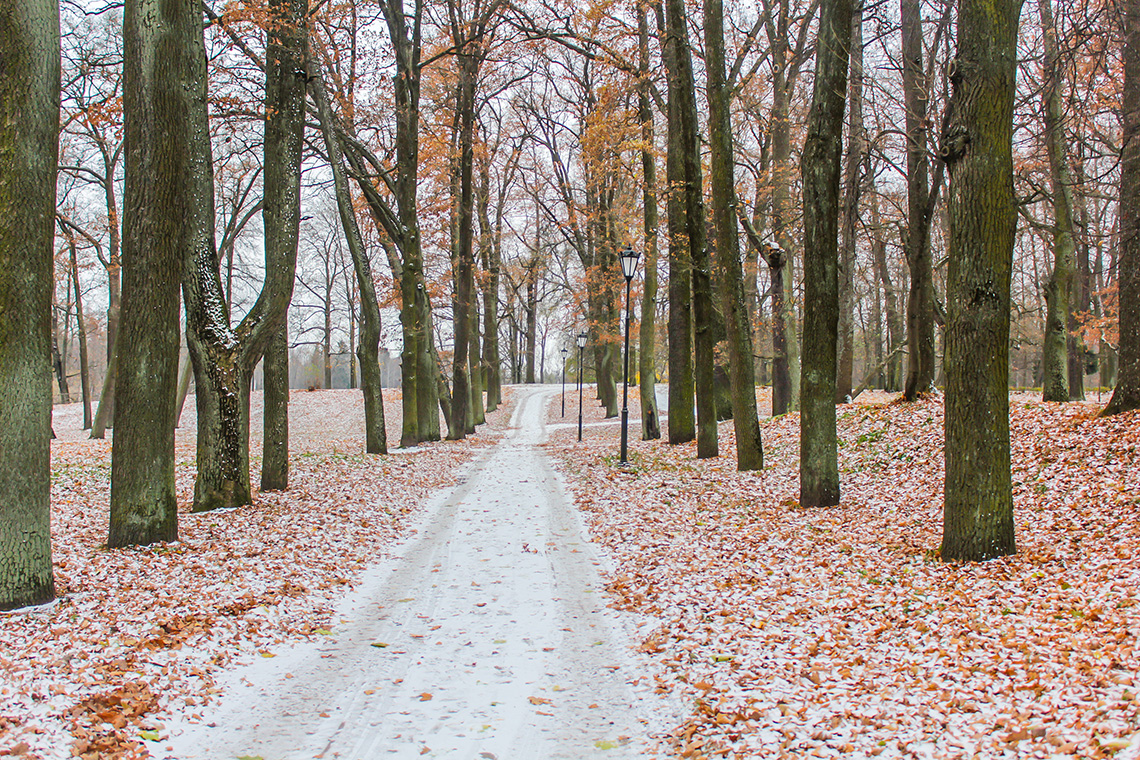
{"points": [[417, 380], [853, 187], [368, 350], [158, 93], [977, 149], [275, 431], [224, 357], [469, 62], [749, 448], [106, 397], [84, 370], [1126, 396], [474, 357], [920, 305], [531, 317], [489, 243], [820, 165], [682, 423], [688, 258], [893, 381], [57, 359], [1055, 349], [114, 296], [29, 134], [785, 363], [184, 374], [647, 335]]}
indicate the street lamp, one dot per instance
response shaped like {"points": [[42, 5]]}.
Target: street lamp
{"points": [[564, 352], [581, 341], [628, 259]]}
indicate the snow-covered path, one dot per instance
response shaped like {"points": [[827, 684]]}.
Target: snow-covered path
{"points": [[485, 637]]}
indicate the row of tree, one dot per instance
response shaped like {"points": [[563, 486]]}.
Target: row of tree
{"points": [[552, 114]]}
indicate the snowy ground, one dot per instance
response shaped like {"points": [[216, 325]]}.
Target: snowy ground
{"points": [[486, 635]]}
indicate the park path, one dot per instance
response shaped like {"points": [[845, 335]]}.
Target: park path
{"points": [[486, 636]]}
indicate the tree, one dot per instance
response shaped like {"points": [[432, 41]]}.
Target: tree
{"points": [[1055, 351], [647, 354], [1126, 396], [689, 277], [158, 225], [91, 96], [852, 194], [368, 350], [84, 374], [977, 149], [281, 213], [788, 57], [470, 36], [29, 140], [823, 148], [749, 448], [920, 305], [224, 356]]}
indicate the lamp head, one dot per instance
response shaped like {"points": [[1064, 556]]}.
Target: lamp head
{"points": [[628, 258], [581, 340]]}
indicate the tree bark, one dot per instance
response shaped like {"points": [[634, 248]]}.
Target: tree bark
{"points": [[853, 190], [682, 422], [820, 165], [158, 93], [57, 357], [692, 264], [225, 357], [647, 335], [368, 350], [1055, 349], [275, 430], [749, 448], [893, 381], [29, 140], [920, 305], [489, 245], [469, 63], [1126, 396], [84, 370], [977, 149]]}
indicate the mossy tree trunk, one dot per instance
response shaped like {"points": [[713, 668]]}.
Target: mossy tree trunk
{"points": [[820, 168], [920, 304], [29, 139], [693, 273], [225, 357], [285, 100], [977, 149], [1055, 349], [1126, 396], [742, 381], [368, 350], [855, 161], [647, 334], [158, 94]]}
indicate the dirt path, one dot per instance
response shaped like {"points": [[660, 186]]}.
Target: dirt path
{"points": [[486, 637]]}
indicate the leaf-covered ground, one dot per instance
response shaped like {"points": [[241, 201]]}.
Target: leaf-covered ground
{"points": [[137, 632], [818, 632]]}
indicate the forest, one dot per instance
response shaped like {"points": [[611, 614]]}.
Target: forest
{"points": [[805, 208]]}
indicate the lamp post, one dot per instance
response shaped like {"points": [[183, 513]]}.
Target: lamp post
{"points": [[581, 341], [628, 259], [563, 351]]}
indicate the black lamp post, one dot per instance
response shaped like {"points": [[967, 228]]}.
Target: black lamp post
{"points": [[581, 341], [628, 259], [564, 352]]}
